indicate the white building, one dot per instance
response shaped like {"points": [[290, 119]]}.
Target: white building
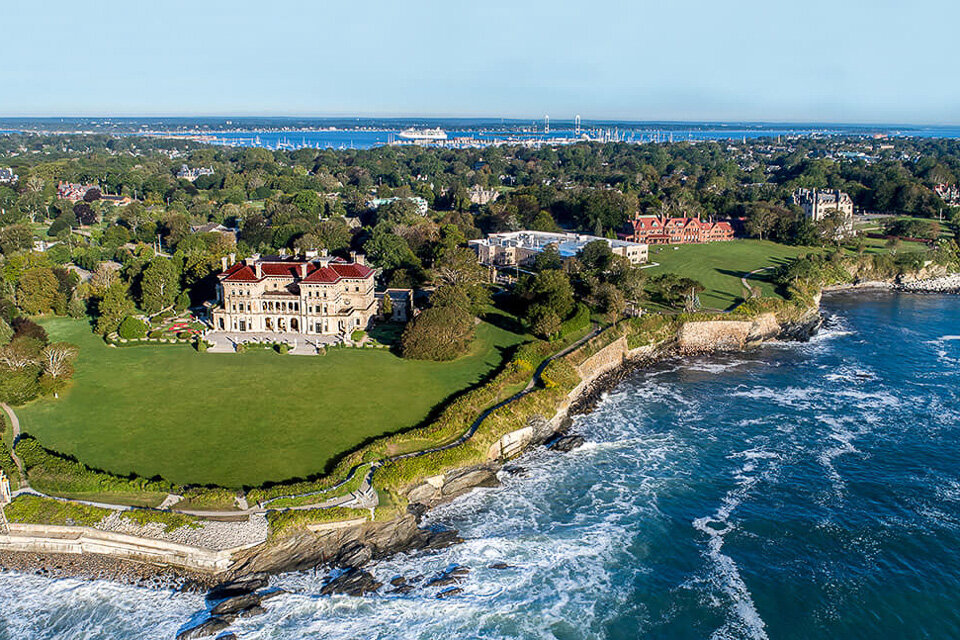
{"points": [[422, 206], [7, 175], [186, 173], [521, 247]]}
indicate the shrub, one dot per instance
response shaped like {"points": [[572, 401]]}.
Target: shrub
{"points": [[19, 386], [357, 335], [27, 328], [281, 347], [132, 328], [201, 345]]}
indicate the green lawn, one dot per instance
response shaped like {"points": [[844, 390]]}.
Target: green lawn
{"points": [[239, 419], [719, 266]]}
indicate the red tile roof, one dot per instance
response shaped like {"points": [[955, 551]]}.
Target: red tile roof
{"points": [[239, 273], [328, 274]]}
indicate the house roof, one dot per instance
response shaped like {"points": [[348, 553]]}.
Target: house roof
{"points": [[318, 273]]}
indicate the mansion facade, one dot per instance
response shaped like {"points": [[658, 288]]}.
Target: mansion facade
{"points": [[658, 230], [313, 295]]}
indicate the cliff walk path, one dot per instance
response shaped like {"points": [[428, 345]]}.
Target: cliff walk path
{"points": [[365, 497], [534, 380], [15, 430], [746, 285]]}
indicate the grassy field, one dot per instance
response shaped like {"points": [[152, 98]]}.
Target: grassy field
{"points": [[239, 419], [719, 266]]}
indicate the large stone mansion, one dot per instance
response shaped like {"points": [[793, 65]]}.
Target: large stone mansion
{"points": [[314, 295]]}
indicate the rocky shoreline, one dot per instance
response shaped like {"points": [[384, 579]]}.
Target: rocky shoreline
{"points": [[348, 549], [946, 284], [102, 567]]}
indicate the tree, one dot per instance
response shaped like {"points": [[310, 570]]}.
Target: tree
{"points": [[38, 290], [544, 321], [112, 306], [438, 333], [85, 214], [673, 290], [458, 268], [159, 287], [386, 307], [550, 289], [21, 353], [57, 359], [16, 237]]}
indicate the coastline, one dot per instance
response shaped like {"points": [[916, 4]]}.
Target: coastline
{"points": [[354, 544]]}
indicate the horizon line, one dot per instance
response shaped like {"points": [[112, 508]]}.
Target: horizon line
{"points": [[770, 122]]}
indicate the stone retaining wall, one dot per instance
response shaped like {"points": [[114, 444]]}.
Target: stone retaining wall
{"points": [[34, 538]]}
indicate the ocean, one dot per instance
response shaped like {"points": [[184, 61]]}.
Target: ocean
{"points": [[797, 491]]}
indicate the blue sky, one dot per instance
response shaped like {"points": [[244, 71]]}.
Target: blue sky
{"points": [[807, 60]]}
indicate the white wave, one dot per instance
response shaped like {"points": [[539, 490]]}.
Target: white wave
{"points": [[742, 618], [36, 608]]}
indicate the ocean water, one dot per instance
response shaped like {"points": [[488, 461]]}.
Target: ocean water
{"points": [[799, 491]]}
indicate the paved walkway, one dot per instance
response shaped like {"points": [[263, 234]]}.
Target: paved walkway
{"points": [[15, 429], [743, 280]]}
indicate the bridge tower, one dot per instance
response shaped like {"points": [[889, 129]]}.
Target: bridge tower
{"points": [[577, 126], [546, 124]]}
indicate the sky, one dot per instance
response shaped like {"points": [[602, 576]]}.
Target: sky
{"points": [[875, 61]]}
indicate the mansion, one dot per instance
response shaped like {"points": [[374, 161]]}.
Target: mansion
{"points": [[314, 295], [657, 230]]}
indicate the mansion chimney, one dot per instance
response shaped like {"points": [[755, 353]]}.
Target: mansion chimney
{"points": [[223, 262], [303, 269], [258, 267]]}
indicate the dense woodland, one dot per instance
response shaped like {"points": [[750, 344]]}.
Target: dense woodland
{"points": [[145, 257]]}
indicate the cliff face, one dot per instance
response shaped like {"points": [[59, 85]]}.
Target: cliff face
{"points": [[352, 545], [726, 335]]}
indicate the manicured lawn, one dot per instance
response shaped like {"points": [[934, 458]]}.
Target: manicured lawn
{"points": [[239, 419], [719, 266]]}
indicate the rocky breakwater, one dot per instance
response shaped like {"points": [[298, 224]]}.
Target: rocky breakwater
{"points": [[943, 284]]}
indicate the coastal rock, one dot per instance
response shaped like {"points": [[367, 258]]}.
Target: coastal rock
{"points": [[500, 566], [449, 592], [239, 587], [417, 510], [255, 610], [402, 589], [352, 582], [565, 444], [353, 554], [236, 604], [458, 482], [206, 628]]}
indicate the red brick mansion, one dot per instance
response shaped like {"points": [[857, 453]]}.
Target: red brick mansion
{"points": [[657, 230]]}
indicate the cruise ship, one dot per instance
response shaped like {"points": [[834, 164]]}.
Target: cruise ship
{"points": [[423, 134]]}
